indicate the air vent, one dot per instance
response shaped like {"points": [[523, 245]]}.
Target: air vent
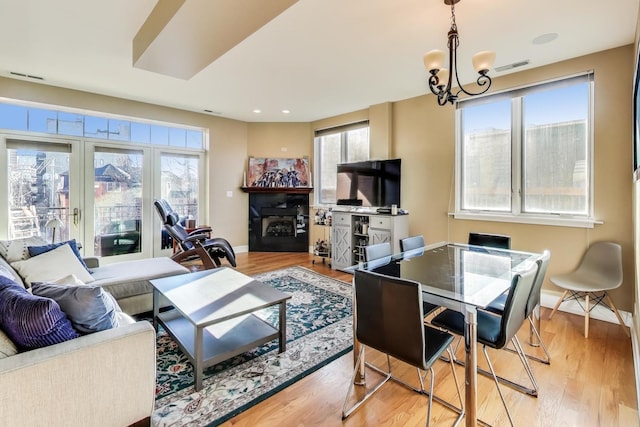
{"points": [[511, 66], [217, 113], [26, 76]]}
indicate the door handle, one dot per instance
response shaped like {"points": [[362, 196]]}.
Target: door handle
{"points": [[76, 216]]}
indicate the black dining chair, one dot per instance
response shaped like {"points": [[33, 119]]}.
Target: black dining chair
{"points": [[411, 243], [377, 251], [413, 246], [388, 316], [499, 241], [533, 303], [497, 331]]}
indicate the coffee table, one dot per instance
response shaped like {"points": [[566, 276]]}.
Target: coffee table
{"points": [[212, 318]]}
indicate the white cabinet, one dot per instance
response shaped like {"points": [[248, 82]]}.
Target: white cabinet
{"points": [[352, 232], [340, 240]]}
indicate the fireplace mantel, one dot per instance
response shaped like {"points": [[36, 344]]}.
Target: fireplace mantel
{"points": [[288, 190]]}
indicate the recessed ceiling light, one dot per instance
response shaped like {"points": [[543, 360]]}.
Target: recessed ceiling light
{"points": [[545, 38], [286, 111], [257, 111]]}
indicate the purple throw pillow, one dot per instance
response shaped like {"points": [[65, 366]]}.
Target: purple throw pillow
{"points": [[31, 321]]}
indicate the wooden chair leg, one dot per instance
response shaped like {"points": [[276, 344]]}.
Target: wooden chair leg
{"points": [[615, 310], [560, 301], [586, 315]]}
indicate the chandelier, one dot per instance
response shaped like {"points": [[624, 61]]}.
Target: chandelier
{"points": [[441, 79]]}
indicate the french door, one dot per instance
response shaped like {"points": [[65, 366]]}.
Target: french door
{"points": [[99, 193], [115, 212], [40, 198]]}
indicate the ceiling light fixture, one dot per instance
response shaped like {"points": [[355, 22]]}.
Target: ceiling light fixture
{"points": [[256, 111], [441, 79]]}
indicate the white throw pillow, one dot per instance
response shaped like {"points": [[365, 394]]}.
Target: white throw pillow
{"points": [[51, 266], [16, 249], [70, 280]]}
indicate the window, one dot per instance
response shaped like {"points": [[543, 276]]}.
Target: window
{"points": [[344, 144], [23, 118], [526, 155]]}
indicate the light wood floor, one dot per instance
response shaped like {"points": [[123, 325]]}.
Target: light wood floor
{"points": [[590, 382]]}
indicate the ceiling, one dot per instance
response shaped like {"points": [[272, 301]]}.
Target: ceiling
{"points": [[317, 59]]}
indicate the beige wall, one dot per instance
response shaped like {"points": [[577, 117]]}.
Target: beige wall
{"points": [[422, 134], [424, 138], [226, 159], [636, 216]]}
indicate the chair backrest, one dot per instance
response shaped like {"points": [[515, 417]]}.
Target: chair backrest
{"points": [[410, 243], [171, 222], [490, 240], [603, 262], [514, 307], [163, 208], [534, 296], [377, 251], [389, 316]]}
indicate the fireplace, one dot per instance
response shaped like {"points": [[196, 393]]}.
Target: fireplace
{"points": [[278, 221]]}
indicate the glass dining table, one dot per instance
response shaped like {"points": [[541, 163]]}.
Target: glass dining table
{"points": [[459, 277]]}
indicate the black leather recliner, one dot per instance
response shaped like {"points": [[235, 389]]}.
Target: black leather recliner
{"points": [[195, 244]]}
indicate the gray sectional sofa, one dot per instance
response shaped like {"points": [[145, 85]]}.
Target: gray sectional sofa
{"points": [[106, 378]]}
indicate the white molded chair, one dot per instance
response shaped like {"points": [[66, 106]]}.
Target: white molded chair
{"points": [[599, 271]]}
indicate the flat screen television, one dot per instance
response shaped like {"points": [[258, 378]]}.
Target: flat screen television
{"points": [[372, 183]]}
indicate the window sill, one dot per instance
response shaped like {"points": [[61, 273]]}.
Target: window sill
{"points": [[558, 221]]}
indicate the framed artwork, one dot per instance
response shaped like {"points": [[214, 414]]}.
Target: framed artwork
{"points": [[278, 172]]}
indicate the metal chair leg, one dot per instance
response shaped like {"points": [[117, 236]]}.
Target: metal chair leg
{"points": [[346, 412], [495, 379], [534, 330]]}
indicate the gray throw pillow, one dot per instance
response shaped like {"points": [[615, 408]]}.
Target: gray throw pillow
{"points": [[89, 308]]}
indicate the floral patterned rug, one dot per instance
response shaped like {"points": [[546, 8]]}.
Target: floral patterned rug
{"points": [[319, 330]]}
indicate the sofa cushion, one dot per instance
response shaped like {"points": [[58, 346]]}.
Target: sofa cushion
{"points": [[31, 321], [7, 347], [16, 249], [7, 271], [130, 278], [38, 250], [52, 265], [89, 308]]}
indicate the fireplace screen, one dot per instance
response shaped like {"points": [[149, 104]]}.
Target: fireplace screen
{"points": [[278, 226]]}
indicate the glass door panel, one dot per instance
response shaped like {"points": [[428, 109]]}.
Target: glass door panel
{"points": [[117, 205], [179, 177], [39, 196]]}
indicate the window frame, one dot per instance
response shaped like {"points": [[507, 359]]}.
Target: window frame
{"points": [[516, 214], [344, 153]]}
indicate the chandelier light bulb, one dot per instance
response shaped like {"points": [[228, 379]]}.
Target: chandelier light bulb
{"points": [[443, 78], [433, 60], [483, 61]]}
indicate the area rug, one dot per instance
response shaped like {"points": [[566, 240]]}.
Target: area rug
{"points": [[319, 330]]}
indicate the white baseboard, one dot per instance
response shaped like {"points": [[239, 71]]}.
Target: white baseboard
{"points": [[241, 249], [550, 298]]}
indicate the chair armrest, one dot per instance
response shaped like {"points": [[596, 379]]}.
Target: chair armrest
{"points": [[92, 262], [81, 381], [200, 230], [196, 238]]}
